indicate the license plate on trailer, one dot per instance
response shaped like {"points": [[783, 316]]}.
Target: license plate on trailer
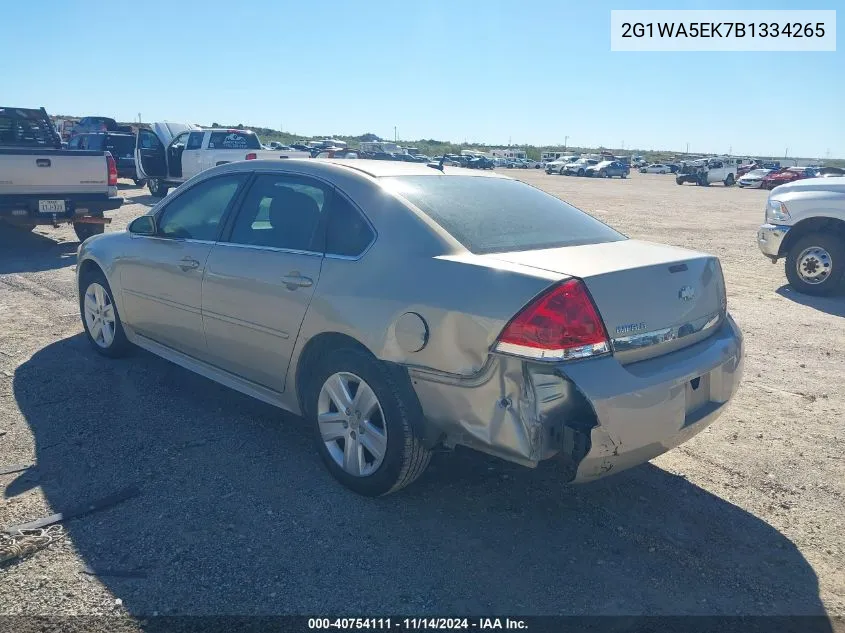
{"points": [[51, 206]]}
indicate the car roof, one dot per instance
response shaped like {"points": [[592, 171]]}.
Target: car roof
{"points": [[384, 168]]}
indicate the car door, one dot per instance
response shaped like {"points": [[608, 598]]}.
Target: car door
{"points": [[191, 157], [150, 156], [161, 275], [261, 275]]}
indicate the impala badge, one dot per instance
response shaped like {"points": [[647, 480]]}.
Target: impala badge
{"points": [[686, 293], [630, 328]]}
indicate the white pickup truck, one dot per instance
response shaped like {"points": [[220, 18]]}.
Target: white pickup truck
{"points": [[805, 223], [168, 154], [43, 184]]}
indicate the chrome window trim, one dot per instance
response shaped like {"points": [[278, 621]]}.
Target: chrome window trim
{"points": [[665, 335], [274, 249]]}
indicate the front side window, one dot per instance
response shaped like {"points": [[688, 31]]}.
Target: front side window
{"points": [[148, 139], [198, 213], [281, 211]]}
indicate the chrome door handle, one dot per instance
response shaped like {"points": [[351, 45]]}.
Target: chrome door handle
{"points": [[189, 263], [295, 280]]}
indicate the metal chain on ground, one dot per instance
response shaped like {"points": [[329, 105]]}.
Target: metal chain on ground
{"points": [[27, 542]]}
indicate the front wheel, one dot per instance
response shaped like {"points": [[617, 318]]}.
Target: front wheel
{"points": [[679, 181], [100, 318], [581, 172], [561, 171], [729, 181], [816, 263], [366, 423], [157, 188], [85, 230]]}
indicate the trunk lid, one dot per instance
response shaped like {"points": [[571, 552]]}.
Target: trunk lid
{"points": [[654, 299]]}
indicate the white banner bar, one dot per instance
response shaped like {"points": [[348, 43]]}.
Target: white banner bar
{"points": [[705, 30]]}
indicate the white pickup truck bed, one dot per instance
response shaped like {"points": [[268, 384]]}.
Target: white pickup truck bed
{"points": [[43, 184]]}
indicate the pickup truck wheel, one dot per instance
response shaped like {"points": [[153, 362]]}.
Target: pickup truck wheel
{"points": [[100, 317], [157, 187], [679, 181], [815, 264], [365, 419], [139, 183], [84, 230], [729, 181]]}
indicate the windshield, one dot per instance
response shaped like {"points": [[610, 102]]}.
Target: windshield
{"points": [[489, 215]]}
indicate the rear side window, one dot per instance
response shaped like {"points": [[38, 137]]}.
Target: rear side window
{"points": [[348, 233], [490, 215], [120, 146], [93, 142], [233, 139]]}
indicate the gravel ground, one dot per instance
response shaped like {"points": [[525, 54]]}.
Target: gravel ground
{"points": [[237, 516]]}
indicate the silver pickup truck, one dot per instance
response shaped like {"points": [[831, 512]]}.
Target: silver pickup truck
{"points": [[43, 184]]}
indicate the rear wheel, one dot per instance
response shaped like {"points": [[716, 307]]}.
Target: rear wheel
{"points": [[365, 423], [602, 174], [679, 181], [729, 181], [581, 172], [85, 230], [100, 318], [561, 171], [815, 264], [139, 182], [157, 187]]}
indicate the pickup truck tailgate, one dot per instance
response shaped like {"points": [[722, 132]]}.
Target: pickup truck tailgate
{"points": [[46, 172]]}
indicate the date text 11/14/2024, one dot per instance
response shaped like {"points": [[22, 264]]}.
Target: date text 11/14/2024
{"points": [[417, 624]]}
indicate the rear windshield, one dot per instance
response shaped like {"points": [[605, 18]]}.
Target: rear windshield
{"points": [[233, 140], [490, 215], [122, 146]]}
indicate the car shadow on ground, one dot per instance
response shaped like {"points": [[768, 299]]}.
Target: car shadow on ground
{"points": [[27, 251], [834, 305], [237, 515]]}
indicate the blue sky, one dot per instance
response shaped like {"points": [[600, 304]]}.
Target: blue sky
{"points": [[476, 70]]}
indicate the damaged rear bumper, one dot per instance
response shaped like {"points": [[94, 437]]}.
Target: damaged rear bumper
{"points": [[596, 416]]}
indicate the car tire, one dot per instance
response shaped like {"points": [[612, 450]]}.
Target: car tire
{"points": [[397, 416], [602, 174], [157, 188], [85, 230], [561, 171], [729, 181], [679, 181], [807, 260], [581, 172], [105, 335], [139, 182]]}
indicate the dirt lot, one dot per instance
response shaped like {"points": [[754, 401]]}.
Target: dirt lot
{"points": [[236, 514]]}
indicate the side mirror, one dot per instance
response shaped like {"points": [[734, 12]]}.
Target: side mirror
{"points": [[145, 225]]}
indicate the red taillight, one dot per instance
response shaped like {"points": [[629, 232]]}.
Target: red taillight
{"points": [[112, 167], [561, 324], [251, 156]]}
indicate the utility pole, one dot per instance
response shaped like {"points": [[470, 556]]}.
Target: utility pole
{"points": [[687, 147], [395, 135], [565, 140], [623, 145], [730, 150], [786, 152], [139, 117]]}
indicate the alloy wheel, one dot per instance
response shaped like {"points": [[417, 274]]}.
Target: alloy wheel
{"points": [[99, 315]]}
